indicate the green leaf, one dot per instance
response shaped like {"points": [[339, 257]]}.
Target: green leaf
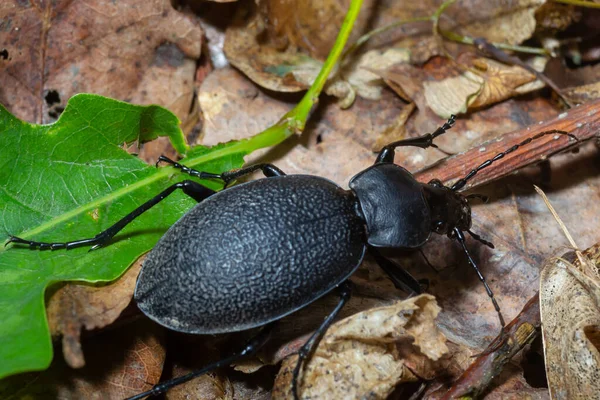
{"points": [[71, 180]]}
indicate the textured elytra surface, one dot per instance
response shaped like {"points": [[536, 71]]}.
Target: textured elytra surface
{"points": [[252, 254]]}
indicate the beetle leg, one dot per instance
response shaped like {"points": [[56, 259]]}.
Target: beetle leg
{"points": [[386, 155], [269, 170], [481, 240], [305, 352], [191, 188], [252, 346], [401, 279], [461, 239]]}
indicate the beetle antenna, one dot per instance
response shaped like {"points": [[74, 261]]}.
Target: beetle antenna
{"points": [[463, 181], [461, 239]]}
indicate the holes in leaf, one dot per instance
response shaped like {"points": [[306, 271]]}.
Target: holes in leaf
{"points": [[52, 97], [4, 54], [53, 101]]}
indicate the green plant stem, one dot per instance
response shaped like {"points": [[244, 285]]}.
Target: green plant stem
{"points": [[295, 120], [580, 3]]}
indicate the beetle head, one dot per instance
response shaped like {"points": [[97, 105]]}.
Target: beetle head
{"points": [[449, 209]]}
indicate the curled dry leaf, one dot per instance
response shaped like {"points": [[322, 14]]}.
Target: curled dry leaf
{"points": [[75, 306], [358, 357], [265, 64], [570, 311], [141, 51], [485, 83]]}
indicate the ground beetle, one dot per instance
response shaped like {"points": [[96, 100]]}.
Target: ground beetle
{"points": [[253, 253]]}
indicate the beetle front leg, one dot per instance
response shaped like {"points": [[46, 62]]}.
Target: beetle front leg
{"points": [[305, 352], [386, 155], [191, 188], [269, 170], [402, 280]]}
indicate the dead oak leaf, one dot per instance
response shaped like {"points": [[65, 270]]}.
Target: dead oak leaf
{"points": [[357, 357], [254, 49], [77, 306], [488, 82], [125, 50], [121, 363], [570, 310]]}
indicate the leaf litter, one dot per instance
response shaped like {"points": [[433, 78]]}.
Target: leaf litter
{"points": [[513, 219], [357, 357]]}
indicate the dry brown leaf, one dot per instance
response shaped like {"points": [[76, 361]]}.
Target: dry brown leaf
{"points": [[77, 306], [478, 127], [121, 363], [511, 385], [276, 46], [192, 352], [234, 108], [266, 65], [487, 83], [140, 51], [556, 17], [270, 55], [357, 357], [396, 131], [511, 21], [295, 23], [583, 94], [570, 307]]}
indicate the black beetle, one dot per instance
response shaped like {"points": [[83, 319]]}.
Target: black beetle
{"points": [[258, 251]]}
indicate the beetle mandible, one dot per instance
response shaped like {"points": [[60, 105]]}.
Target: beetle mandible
{"points": [[253, 253]]}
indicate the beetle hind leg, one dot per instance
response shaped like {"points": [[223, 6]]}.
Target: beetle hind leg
{"points": [[251, 347], [306, 351]]}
